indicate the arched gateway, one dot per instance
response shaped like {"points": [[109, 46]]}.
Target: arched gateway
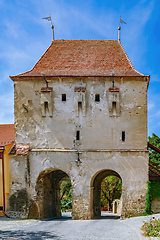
{"points": [[80, 111], [48, 193], [96, 190]]}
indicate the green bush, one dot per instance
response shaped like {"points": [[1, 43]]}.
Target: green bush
{"points": [[155, 190], [66, 204], [151, 228], [148, 199], [66, 194]]}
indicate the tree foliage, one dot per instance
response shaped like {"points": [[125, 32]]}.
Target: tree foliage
{"points": [[111, 189], [153, 155], [66, 194]]}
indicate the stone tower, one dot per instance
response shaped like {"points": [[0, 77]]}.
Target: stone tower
{"points": [[82, 97]]}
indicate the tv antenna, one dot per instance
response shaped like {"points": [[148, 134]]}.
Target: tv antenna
{"points": [[52, 26]]}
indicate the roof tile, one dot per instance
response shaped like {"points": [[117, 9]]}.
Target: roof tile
{"points": [[83, 58], [6, 134]]}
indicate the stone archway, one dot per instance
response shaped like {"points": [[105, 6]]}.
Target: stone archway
{"points": [[48, 192], [96, 190]]}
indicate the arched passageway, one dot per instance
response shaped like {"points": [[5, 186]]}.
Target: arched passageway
{"points": [[96, 190], [48, 193]]}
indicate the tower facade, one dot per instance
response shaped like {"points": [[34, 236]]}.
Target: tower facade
{"points": [[82, 98]]}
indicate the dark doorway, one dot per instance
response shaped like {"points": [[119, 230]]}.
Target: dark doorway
{"points": [[49, 193]]}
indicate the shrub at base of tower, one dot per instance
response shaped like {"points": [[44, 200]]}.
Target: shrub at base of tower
{"points": [[148, 199]]}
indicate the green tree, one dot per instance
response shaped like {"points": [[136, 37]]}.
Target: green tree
{"points": [[66, 194], [153, 155], [111, 189]]}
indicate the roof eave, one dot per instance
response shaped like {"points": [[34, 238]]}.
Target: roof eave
{"points": [[2, 147], [18, 77]]}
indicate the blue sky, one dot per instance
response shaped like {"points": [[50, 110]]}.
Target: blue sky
{"points": [[25, 36]]}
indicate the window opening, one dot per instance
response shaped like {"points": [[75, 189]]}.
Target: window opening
{"points": [[45, 107], [123, 136], [63, 97], [114, 108], [78, 135], [79, 107], [97, 98], [113, 105]]}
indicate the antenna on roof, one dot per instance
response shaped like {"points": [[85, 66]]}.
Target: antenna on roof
{"points": [[50, 19], [119, 28]]}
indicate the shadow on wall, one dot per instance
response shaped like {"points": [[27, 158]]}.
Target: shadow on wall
{"points": [[48, 200], [20, 202]]}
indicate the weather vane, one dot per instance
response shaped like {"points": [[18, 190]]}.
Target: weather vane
{"points": [[119, 28], [50, 19]]}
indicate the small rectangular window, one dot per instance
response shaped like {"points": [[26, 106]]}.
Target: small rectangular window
{"points": [[78, 135], [63, 97], [114, 105], [97, 98], [46, 105], [79, 107], [114, 108], [123, 136]]}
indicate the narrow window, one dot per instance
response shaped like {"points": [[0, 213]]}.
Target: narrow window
{"points": [[63, 97], [78, 135], [97, 98], [46, 105], [123, 136], [114, 108], [79, 107], [1, 208]]}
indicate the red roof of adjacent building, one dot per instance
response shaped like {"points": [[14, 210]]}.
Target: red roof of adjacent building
{"points": [[6, 134], [83, 58]]}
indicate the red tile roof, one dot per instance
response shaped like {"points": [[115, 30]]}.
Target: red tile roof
{"points": [[83, 58], [6, 134]]}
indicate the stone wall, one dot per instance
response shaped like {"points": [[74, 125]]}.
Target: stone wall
{"points": [[155, 206], [107, 125], [131, 167], [99, 129]]}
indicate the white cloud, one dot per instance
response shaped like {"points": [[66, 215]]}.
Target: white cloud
{"points": [[134, 38], [151, 105], [76, 20], [11, 29], [153, 112], [155, 78], [6, 108]]}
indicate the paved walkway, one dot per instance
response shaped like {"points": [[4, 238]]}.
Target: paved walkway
{"points": [[65, 228]]}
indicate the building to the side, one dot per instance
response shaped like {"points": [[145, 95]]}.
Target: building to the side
{"points": [[6, 142], [80, 112]]}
